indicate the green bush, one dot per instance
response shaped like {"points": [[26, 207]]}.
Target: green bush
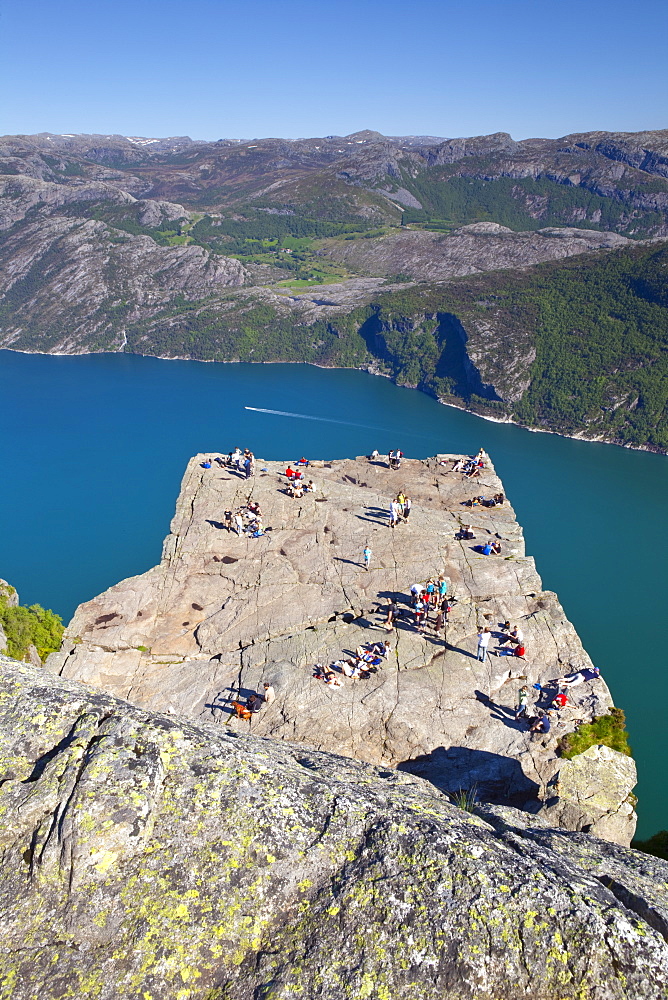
{"points": [[30, 626], [656, 845], [610, 730]]}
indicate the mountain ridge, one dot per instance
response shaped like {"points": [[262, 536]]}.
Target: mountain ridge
{"points": [[279, 249]]}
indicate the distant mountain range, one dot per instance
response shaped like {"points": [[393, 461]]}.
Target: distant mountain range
{"points": [[271, 249]]}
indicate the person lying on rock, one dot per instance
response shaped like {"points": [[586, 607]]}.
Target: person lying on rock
{"points": [[579, 677], [381, 649], [559, 701]]}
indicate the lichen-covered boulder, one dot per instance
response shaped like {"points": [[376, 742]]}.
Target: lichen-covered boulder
{"points": [[592, 792], [150, 858]]}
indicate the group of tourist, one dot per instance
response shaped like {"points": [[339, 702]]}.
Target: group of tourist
{"points": [[540, 719], [469, 467], [400, 509], [429, 606], [246, 520], [510, 642], [243, 461], [296, 481], [429, 602], [481, 501], [366, 660], [254, 703]]}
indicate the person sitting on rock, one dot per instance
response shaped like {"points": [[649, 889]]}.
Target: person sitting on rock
{"points": [[466, 532], [541, 724], [487, 549], [496, 548], [254, 703], [268, 693], [515, 635], [290, 472], [303, 461]]}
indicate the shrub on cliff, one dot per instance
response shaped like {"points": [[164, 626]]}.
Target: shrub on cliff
{"points": [[656, 845], [610, 730], [30, 626]]}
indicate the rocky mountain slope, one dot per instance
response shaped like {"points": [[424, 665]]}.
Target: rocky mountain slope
{"points": [[156, 857], [222, 614], [290, 250]]}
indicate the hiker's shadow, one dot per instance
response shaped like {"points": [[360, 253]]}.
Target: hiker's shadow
{"points": [[499, 712], [458, 649], [216, 524], [394, 596], [372, 520]]}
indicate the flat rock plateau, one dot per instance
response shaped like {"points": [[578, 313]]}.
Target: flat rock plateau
{"points": [[223, 614]]}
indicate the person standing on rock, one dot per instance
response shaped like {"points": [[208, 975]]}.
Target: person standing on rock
{"points": [[407, 505], [367, 557], [239, 522], [483, 643], [522, 709], [269, 694], [392, 612], [395, 510]]}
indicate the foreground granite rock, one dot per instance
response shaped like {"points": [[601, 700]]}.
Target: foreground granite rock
{"points": [[145, 857], [223, 614]]}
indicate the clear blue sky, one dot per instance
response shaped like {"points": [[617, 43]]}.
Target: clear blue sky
{"points": [[217, 68]]}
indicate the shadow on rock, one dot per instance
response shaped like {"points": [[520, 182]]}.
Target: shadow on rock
{"points": [[492, 777]]}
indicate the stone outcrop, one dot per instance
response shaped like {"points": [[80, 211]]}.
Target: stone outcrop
{"points": [[591, 791], [485, 246], [223, 614], [169, 859]]}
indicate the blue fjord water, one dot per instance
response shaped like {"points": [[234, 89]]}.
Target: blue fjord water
{"points": [[93, 449]]}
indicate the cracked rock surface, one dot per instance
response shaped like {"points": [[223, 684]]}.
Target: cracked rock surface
{"points": [[221, 615], [145, 856]]}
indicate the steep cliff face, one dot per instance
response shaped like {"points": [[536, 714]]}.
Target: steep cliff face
{"points": [[151, 857]]}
